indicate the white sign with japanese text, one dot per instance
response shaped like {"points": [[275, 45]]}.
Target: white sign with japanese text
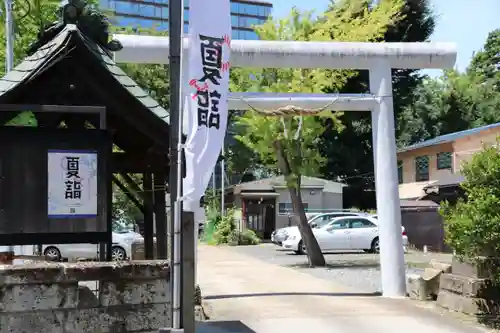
{"points": [[206, 106], [72, 184]]}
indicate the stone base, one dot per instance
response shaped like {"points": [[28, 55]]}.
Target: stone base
{"points": [[459, 303], [417, 288], [474, 268], [462, 285], [443, 267]]}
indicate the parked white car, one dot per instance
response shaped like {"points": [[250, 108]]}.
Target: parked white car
{"points": [[342, 233], [120, 250], [314, 219]]}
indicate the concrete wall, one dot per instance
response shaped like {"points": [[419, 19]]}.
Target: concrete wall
{"points": [[316, 198], [408, 159], [462, 150], [47, 297], [466, 147], [424, 227]]}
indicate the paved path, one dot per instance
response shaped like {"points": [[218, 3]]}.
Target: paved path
{"points": [[354, 269], [248, 295]]}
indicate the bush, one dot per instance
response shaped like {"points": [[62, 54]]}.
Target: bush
{"points": [[248, 237], [224, 229], [472, 226], [245, 237], [210, 228]]}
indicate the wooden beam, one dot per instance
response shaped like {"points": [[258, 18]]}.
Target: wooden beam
{"points": [[133, 185], [147, 185], [52, 108], [128, 193]]}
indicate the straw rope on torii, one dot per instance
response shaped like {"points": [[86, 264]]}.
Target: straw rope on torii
{"points": [[290, 111]]}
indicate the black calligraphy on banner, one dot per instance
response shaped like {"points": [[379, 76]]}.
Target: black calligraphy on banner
{"points": [[208, 95], [73, 184], [211, 58]]}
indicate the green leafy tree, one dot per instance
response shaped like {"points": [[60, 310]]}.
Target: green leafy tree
{"points": [[472, 227], [456, 101], [274, 139], [414, 23], [451, 103], [486, 62]]}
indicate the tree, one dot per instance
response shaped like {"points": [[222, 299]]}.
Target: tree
{"points": [[456, 101], [29, 18], [290, 145], [486, 63], [472, 227], [451, 103], [414, 23]]}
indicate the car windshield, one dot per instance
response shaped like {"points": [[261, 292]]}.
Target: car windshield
{"points": [[327, 219], [121, 228]]}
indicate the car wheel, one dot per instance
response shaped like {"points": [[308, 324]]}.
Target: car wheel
{"points": [[52, 253], [301, 248], [375, 245], [118, 253]]}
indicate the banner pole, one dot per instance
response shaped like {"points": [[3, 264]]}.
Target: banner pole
{"points": [[175, 39]]}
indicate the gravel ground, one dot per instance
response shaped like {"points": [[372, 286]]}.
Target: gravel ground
{"points": [[354, 269]]}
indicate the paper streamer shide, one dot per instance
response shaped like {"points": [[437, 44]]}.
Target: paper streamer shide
{"points": [[206, 103]]}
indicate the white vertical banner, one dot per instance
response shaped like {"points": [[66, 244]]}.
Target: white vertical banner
{"points": [[206, 107]]}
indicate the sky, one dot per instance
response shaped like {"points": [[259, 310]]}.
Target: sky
{"points": [[464, 22]]}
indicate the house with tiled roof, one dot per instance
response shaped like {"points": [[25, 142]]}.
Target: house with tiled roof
{"points": [[266, 203], [431, 169]]}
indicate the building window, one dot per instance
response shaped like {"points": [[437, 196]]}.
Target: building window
{"points": [[285, 208], [444, 161], [421, 168], [400, 172]]}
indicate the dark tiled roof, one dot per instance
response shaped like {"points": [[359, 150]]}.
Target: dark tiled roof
{"points": [[34, 65], [448, 138]]}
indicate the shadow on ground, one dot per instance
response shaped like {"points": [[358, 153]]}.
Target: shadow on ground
{"points": [[214, 297], [341, 265], [232, 326], [224, 326]]}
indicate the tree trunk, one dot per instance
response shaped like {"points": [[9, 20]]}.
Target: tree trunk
{"points": [[314, 253]]}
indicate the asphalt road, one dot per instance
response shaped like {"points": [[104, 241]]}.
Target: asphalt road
{"points": [[354, 269]]}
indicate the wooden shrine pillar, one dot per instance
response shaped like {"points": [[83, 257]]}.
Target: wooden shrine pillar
{"points": [[160, 214], [147, 188]]}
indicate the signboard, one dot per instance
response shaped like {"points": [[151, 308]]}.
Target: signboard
{"points": [[72, 184]]}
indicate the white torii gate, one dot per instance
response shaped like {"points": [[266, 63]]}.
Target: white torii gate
{"points": [[379, 59]]}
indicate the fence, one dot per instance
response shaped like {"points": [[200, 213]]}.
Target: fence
{"points": [[424, 227]]}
